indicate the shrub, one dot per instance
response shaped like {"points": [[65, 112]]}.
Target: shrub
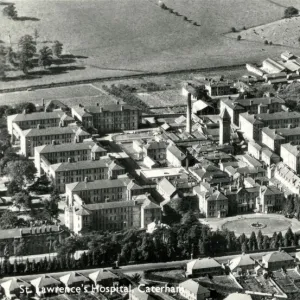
{"points": [[233, 29], [266, 42], [184, 18], [271, 43], [291, 11], [244, 28], [239, 38]]}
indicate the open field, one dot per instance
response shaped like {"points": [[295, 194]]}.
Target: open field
{"points": [[283, 32], [113, 38], [163, 98], [69, 95]]}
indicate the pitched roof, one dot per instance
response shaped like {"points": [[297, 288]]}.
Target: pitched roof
{"points": [[80, 165], [176, 152], [108, 205], [203, 263], [194, 287], [44, 280], [216, 196], [243, 260], [238, 296], [38, 116], [49, 131], [97, 184], [156, 145], [102, 274], [277, 256], [73, 277], [167, 187], [70, 147], [293, 149], [14, 284]]}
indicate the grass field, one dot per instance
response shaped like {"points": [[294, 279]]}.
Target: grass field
{"points": [[283, 32], [163, 98], [114, 37], [70, 95]]}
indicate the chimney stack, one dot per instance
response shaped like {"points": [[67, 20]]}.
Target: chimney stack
{"points": [[53, 142], [188, 113]]}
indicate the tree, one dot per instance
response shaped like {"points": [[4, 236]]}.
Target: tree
{"points": [[10, 11], [136, 278], [233, 29], [266, 42], [21, 171], [27, 48], [239, 37], [252, 241], [36, 35], [8, 220], [21, 200], [51, 206], [28, 107], [45, 57], [13, 188], [57, 48], [290, 11], [189, 218]]}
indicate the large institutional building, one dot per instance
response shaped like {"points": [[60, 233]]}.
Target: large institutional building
{"points": [[108, 118]]}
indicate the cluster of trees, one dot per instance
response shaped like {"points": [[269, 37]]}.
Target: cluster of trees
{"points": [[292, 206], [10, 11], [180, 241], [291, 11], [27, 58], [48, 211], [172, 11], [125, 93]]}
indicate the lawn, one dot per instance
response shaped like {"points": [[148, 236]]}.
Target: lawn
{"points": [[113, 37], [69, 95], [243, 225]]}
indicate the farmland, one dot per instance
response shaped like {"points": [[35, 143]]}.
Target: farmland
{"points": [[113, 38]]}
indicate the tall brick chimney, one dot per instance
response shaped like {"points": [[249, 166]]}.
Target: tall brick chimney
{"points": [[189, 113]]}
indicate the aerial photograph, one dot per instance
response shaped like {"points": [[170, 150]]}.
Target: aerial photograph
{"points": [[149, 149]]}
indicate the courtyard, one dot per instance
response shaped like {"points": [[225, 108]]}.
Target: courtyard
{"points": [[267, 223]]}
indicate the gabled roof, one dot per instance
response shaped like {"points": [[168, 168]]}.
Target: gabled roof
{"points": [[216, 196], [102, 274], [194, 287], [73, 277], [82, 211]]}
